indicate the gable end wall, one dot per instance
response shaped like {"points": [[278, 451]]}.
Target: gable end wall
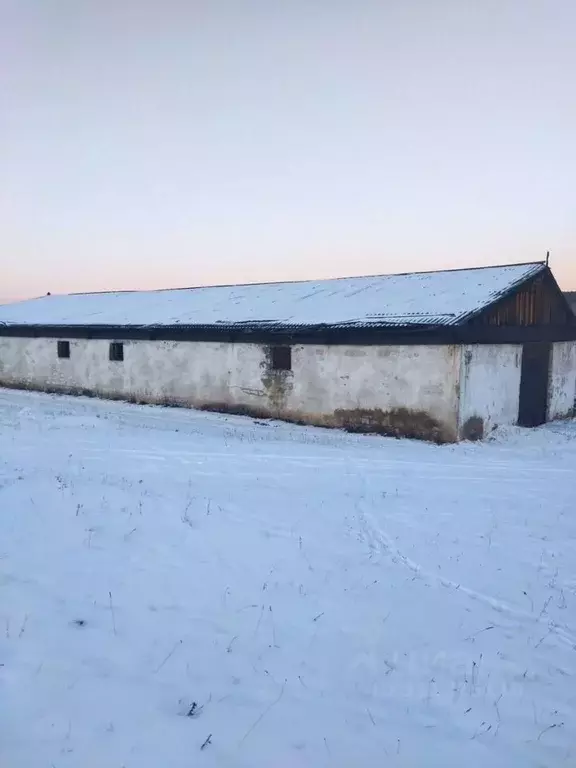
{"points": [[537, 303]]}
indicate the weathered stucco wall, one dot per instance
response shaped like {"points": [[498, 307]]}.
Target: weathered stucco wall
{"points": [[158, 372], [489, 388], [562, 386], [396, 390]]}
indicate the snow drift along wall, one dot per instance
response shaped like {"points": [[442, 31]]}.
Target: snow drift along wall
{"points": [[400, 390]]}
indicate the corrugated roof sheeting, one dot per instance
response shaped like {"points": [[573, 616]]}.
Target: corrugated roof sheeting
{"points": [[410, 300]]}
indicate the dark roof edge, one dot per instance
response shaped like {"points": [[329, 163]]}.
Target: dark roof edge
{"points": [[321, 335]]}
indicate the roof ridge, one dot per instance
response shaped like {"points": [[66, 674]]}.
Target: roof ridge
{"points": [[307, 280]]}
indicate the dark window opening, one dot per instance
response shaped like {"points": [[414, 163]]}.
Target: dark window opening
{"points": [[64, 349], [281, 358], [117, 351]]}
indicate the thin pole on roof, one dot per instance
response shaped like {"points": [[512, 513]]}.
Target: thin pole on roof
{"points": [[547, 258]]}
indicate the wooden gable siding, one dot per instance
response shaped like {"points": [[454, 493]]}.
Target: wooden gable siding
{"points": [[538, 302]]}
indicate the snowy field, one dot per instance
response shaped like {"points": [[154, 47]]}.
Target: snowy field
{"points": [[183, 589]]}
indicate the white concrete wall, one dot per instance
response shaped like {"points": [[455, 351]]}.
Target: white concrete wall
{"points": [[397, 389], [160, 371], [373, 383], [562, 386], [489, 388]]}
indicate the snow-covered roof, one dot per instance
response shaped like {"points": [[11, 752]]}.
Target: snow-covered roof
{"points": [[423, 298]]}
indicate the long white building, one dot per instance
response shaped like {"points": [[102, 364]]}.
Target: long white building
{"points": [[437, 355]]}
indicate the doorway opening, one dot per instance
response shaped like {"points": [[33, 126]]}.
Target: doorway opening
{"points": [[534, 378]]}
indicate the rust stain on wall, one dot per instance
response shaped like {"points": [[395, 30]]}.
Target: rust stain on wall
{"points": [[396, 422]]}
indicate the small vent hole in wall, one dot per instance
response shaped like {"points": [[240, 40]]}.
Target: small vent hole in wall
{"points": [[64, 349], [117, 351], [281, 358]]}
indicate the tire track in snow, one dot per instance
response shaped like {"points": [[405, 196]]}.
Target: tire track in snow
{"points": [[379, 541]]}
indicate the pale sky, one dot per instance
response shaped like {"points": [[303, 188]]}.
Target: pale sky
{"points": [[155, 143]]}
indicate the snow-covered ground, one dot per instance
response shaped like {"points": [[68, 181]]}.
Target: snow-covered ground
{"points": [[309, 598]]}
